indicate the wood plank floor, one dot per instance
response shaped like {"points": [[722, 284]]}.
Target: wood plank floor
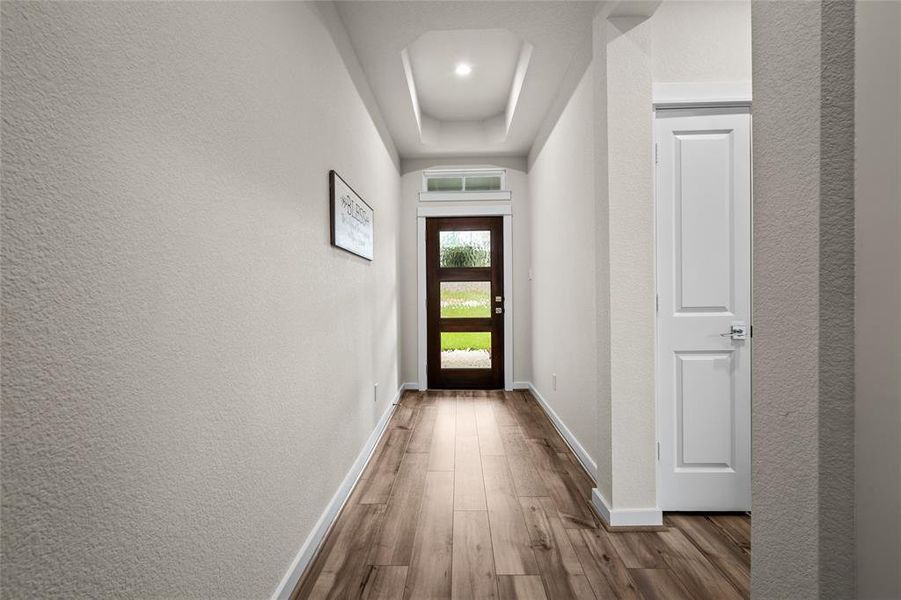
{"points": [[474, 495]]}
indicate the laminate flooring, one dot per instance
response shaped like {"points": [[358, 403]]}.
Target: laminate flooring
{"points": [[474, 495]]}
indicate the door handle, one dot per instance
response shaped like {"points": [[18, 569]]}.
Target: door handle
{"points": [[738, 331]]}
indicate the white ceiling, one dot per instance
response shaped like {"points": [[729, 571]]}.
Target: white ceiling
{"points": [[441, 114], [446, 96]]}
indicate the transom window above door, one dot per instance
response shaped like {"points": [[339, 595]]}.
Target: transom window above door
{"points": [[479, 180]]}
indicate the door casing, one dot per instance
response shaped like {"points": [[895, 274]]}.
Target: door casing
{"points": [[489, 209]]}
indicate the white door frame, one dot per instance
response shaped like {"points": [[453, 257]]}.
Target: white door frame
{"points": [[504, 210], [694, 96]]}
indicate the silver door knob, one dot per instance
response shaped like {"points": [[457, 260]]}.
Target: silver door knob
{"points": [[738, 331]]}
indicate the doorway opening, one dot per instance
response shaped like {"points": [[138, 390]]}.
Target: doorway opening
{"points": [[704, 309]]}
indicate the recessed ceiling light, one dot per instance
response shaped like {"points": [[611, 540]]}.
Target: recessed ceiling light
{"points": [[463, 69]]}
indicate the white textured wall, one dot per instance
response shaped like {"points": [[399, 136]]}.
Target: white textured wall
{"points": [[609, 126], [561, 187], [411, 185], [701, 41], [878, 299], [598, 69], [187, 364], [687, 42], [632, 285], [803, 371]]}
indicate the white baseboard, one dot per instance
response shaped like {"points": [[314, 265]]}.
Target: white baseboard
{"points": [[308, 549], [587, 462], [625, 517], [410, 385], [521, 385]]}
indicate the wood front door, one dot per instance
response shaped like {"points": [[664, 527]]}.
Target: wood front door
{"points": [[465, 302]]}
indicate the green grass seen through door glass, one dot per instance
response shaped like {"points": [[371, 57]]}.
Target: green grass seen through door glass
{"points": [[461, 299], [465, 340]]}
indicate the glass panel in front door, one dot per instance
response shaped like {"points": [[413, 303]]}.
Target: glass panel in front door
{"points": [[465, 299], [464, 249], [465, 349]]}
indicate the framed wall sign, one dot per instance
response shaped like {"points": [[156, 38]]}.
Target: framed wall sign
{"points": [[352, 219]]}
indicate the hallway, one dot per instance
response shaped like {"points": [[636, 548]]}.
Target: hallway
{"points": [[249, 248], [475, 495]]}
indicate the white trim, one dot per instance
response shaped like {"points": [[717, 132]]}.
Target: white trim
{"points": [[311, 545], [463, 173], [464, 196], [519, 76], [508, 302], [410, 385], [411, 87], [625, 517], [421, 327], [600, 500], [714, 93], [504, 210], [494, 210], [521, 385], [587, 462], [462, 170]]}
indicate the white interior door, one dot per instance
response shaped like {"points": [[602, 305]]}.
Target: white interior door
{"points": [[704, 287]]}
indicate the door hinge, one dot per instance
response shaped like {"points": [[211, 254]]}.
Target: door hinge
{"points": [[658, 450]]}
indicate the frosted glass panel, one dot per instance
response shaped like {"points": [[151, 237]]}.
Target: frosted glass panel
{"points": [[481, 184], [465, 299], [465, 350], [465, 248], [445, 184]]}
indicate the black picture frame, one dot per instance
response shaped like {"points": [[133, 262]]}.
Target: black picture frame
{"points": [[338, 235]]}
